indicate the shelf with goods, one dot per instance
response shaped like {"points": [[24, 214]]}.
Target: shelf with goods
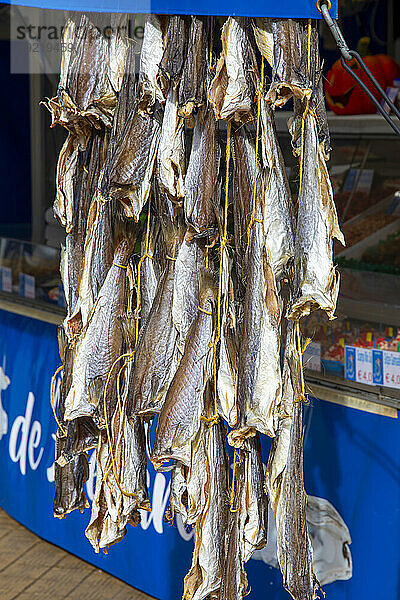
{"points": [[365, 174], [30, 283]]}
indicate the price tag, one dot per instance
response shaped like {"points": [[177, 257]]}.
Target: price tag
{"points": [[377, 367], [312, 356], [350, 363], [364, 366], [391, 369], [26, 285], [5, 279]]}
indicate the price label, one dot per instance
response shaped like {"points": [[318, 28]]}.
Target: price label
{"points": [[350, 363], [26, 285], [372, 366], [5, 279], [391, 369], [312, 356], [377, 367], [364, 366]]}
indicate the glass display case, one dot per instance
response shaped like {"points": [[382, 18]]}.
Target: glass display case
{"points": [[355, 359], [30, 281]]}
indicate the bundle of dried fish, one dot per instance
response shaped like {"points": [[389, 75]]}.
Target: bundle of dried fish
{"points": [[182, 301]]}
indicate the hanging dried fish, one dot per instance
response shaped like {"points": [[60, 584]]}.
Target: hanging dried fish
{"points": [[192, 93], [179, 419], [264, 38], [101, 343], [233, 87], [69, 477], [117, 500], [290, 73], [189, 262], [155, 356], [174, 50], [150, 57], [202, 189], [284, 479], [204, 577], [171, 150]]}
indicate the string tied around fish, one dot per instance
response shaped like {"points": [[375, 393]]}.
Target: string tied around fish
{"points": [[53, 379], [302, 397]]}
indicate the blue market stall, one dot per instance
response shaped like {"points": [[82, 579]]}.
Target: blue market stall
{"points": [[352, 442]]}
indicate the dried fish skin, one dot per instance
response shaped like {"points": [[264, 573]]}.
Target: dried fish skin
{"points": [[69, 481], [88, 92], [244, 158], [113, 509], [264, 37], [171, 150], [64, 203], [254, 501], [101, 343], [127, 98], [204, 577], [97, 260], [290, 73], [128, 173], [175, 47], [192, 93], [178, 494], [317, 280], [201, 183], [148, 274], [285, 484], [150, 57], [117, 49], [278, 219], [241, 78], [179, 419], [259, 373], [155, 356], [185, 303], [227, 367], [234, 579]]}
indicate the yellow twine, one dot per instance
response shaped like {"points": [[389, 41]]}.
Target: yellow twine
{"points": [[206, 312], [253, 213], [302, 395], [109, 439], [224, 240], [170, 257], [120, 266], [306, 111], [145, 255], [53, 379]]}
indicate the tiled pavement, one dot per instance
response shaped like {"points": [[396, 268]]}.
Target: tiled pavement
{"points": [[32, 569]]}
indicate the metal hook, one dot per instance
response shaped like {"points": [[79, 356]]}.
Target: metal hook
{"points": [[323, 6]]}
